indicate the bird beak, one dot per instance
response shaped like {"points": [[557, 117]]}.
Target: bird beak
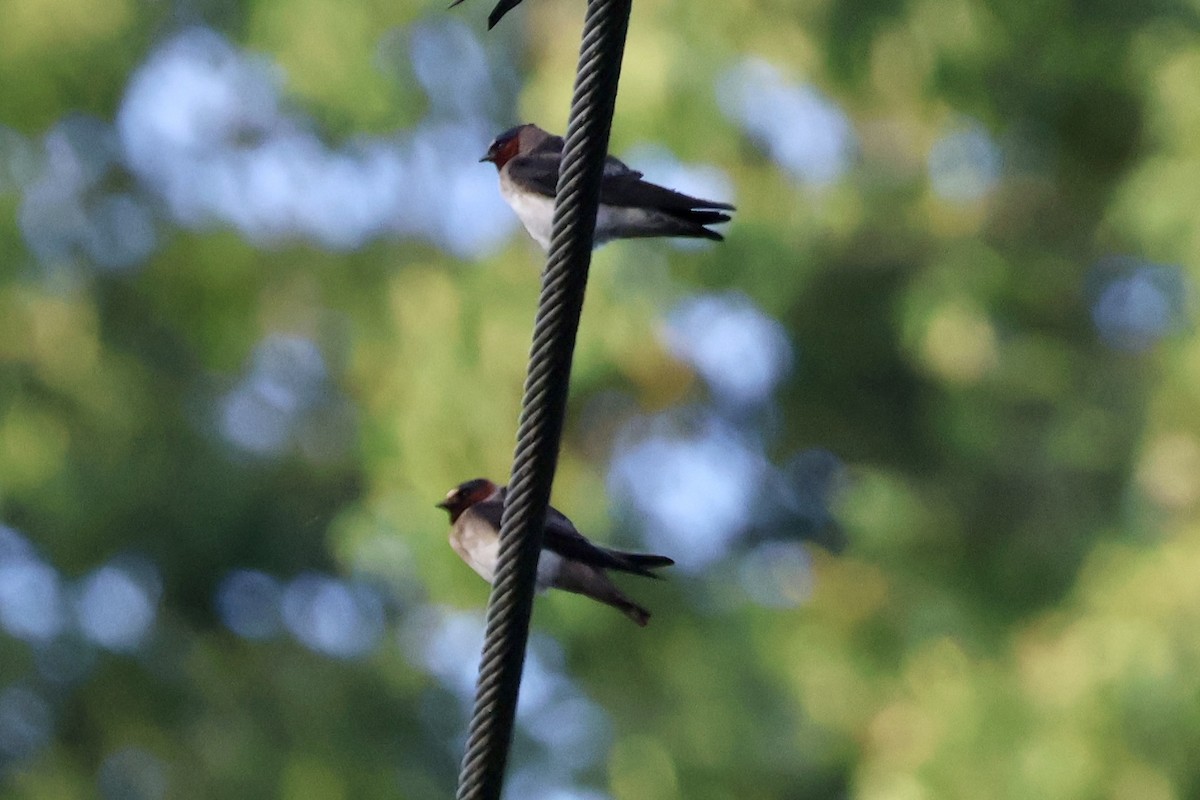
{"points": [[488, 157], [444, 504]]}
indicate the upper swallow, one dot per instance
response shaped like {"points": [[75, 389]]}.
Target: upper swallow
{"points": [[528, 159], [568, 560], [502, 8]]}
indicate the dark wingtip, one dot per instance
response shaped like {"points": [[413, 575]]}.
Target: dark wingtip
{"points": [[707, 217], [642, 563]]}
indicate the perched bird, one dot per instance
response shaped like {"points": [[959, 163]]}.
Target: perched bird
{"points": [[568, 560], [502, 8], [528, 159]]}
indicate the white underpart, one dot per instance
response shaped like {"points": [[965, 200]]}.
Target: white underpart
{"points": [[536, 211], [479, 545], [549, 565]]}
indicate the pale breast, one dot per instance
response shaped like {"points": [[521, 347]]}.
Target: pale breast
{"points": [[536, 211], [478, 544]]}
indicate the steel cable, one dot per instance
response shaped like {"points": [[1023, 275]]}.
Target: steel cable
{"points": [[544, 404]]}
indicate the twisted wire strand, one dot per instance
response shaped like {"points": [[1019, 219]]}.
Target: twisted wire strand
{"points": [[544, 404]]}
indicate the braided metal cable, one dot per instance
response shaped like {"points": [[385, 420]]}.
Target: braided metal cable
{"points": [[544, 404]]}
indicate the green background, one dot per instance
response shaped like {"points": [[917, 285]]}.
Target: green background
{"points": [[996, 595]]}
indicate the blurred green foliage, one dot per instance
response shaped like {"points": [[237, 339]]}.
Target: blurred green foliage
{"points": [[1014, 611]]}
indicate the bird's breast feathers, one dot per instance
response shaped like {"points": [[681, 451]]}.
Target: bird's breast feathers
{"points": [[478, 544], [536, 211]]}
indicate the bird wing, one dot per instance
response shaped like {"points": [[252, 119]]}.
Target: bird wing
{"points": [[616, 168], [490, 510], [561, 537], [538, 169], [619, 186], [560, 534], [629, 190]]}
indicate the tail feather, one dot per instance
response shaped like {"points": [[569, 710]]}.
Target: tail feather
{"points": [[700, 232], [691, 223], [617, 599], [502, 8], [635, 612], [582, 579], [671, 225]]}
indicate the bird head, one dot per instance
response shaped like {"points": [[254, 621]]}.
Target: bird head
{"points": [[465, 495], [514, 142]]}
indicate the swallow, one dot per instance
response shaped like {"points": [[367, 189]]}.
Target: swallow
{"points": [[528, 159], [568, 561], [502, 8]]}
